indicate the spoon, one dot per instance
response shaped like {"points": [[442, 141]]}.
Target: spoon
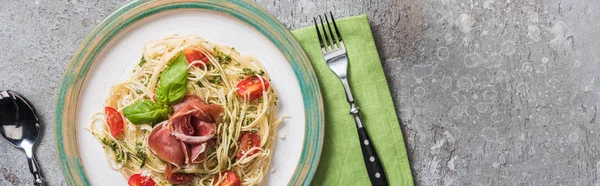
{"points": [[20, 126]]}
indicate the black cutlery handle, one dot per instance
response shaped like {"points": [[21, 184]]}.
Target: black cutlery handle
{"points": [[370, 157]]}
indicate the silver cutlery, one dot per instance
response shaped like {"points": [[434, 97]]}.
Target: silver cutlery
{"points": [[20, 126], [336, 57]]}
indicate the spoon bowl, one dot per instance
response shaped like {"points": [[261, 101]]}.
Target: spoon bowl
{"points": [[20, 126]]}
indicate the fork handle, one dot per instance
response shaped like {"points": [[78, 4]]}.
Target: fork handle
{"points": [[370, 157]]}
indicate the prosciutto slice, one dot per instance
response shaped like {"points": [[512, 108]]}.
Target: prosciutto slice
{"points": [[184, 138], [192, 104], [180, 124], [165, 146], [201, 128], [169, 169]]}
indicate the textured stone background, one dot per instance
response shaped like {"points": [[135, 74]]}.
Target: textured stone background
{"points": [[490, 92]]}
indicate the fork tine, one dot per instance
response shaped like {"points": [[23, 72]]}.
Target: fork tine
{"points": [[337, 31], [333, 41], [327, 43], [319, 34]]}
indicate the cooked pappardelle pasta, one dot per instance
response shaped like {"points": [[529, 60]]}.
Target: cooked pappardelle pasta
{"points": [[192, 112]]}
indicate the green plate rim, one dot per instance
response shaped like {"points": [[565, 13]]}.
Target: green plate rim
{"points": [[129, 14]]}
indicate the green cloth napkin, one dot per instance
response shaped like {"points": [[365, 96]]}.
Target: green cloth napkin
{"points": [[341, 160]]}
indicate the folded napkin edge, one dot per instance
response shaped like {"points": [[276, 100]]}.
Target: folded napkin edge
{"points": [[312, 26]]}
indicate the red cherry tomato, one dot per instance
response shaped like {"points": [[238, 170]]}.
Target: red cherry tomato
{"points": [[114, 120], [181, 178], [139, 180], [193, 54], [230, 179], [248, 140], [252, 87]]}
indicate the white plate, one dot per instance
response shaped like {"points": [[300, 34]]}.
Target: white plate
{"points": [[120, 51]]}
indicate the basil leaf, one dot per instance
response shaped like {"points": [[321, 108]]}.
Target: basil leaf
{"points": [[145, 112], [172, 84]]}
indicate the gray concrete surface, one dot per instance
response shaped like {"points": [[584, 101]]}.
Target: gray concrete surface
{"points": [[490, 92]]}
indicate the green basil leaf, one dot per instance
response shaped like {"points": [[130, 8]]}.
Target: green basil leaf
{"points": [[146, 112], [172, 84]]}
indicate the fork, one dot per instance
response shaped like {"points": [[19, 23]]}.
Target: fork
{"points": [[336, 57]]}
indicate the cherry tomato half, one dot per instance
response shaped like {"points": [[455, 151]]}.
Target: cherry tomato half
{"points": [[139, 180], [114, 120], [230, 179], [248, 140], [252, 87], [193, 54]]}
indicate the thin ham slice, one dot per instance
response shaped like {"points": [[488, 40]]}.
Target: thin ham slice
{"points": [[192, 106], [201, 128], [194, 153], [165, 146], [184, 138], [170, 169]]}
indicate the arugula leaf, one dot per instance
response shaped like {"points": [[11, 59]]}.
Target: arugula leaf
{"points": [[172, 84], [146, 111]]}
